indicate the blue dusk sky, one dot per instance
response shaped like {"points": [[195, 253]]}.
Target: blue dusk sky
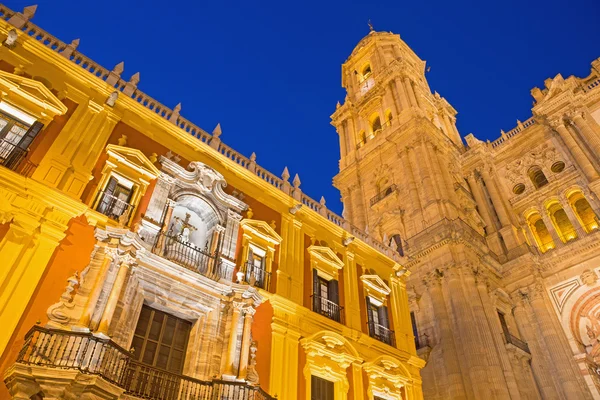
{"points": [[270, 72]]}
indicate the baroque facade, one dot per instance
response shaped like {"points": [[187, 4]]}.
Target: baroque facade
{"points": [[144, 258], [501, 237]]}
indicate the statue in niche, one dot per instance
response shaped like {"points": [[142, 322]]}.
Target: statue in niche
{"points": [[252, 376], [186, 228]]}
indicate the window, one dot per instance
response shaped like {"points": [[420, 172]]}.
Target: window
{"points": [[558, 166], [413, 321], [326, 297], [321, 389], [537, 177], [396, 242], [256, 274], [376, 124], [518, 188], [17, 131], [114, 199], [366, 72], [160, 340], [378, 321]]}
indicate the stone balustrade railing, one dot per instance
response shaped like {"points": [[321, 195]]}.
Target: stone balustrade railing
{"points": [[129, 88], [505, 136]]}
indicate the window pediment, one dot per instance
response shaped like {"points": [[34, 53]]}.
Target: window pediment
{"points": [[325, 260], [261, 230], [31, 96], [133, 159], [375, 287]]}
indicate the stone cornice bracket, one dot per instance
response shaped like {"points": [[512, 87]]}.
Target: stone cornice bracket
{"points": [[293, 210]]}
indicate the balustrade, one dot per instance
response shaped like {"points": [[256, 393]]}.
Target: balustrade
{"points": [[97, 356]]}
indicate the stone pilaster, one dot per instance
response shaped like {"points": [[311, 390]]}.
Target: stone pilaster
{"points": [[453, 379], [115, 291]]}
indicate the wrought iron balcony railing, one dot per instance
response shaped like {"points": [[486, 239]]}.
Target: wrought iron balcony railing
{"points": [[328, 308], [257, 276], [382, 333], [515, 341], [175, 248], [92, 355], [15, 159], [112, 206], [382, 195]]}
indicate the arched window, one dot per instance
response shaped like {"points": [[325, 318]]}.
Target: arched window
{"points": [[362, 139], [396, 243], [540, 232], [561, 222], [583, 211], [537, 177], [376, 124], [366, 71]]}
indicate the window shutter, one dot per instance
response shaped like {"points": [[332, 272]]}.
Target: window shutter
{"points": [[370, 317], [383, 317], [30, 135], [334, 291], [106, 201], [316, 292]]}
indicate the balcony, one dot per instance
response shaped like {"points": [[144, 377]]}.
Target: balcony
{"points": [[257, 276], [382, 333], [113, 207], [515, 341], [15, 159], [176, 249], [64, 350], [328, 308], [382, 195]]}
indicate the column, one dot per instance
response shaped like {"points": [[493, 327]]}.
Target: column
{"points": [[545, 214], [451, 129], [351, 299], [481, 203], [560, 359], [570, 214], [233, 334], [401, 94], [164, 231], [425, 179], [115, 292], [495, 372], [290, 360], [245, 348], [497, 336], [358, 388], [411, 92], [540, 364], [397, 107], [405, 339], [475, 363], [96, 288], [580, 158], [24, 253], [290, 272], [278, 363], [412, 189], [496, 198], [586, 131], [454, 377]]}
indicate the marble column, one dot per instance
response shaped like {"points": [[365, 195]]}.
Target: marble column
{"points": [[453, 375], [411, 92], [413, 193], [560, 359], [491, 316], [232, 343], [401, 94], [469, 336], [578, 154], [113, 297], [495, 371], [496, 198], [587, 133], [245, 349], [545, 214], [570, 214], [540, 364], [482, 205]]}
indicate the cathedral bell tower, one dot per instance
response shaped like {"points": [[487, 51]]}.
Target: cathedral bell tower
{"points": [[400, 149]]}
